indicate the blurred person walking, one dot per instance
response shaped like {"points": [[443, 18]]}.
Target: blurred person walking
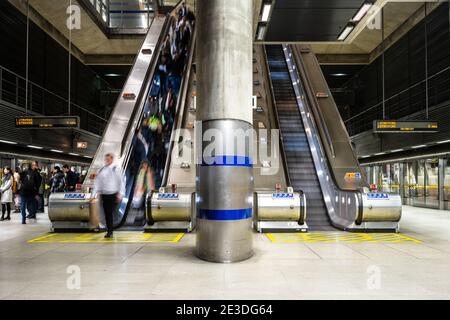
{"points": [[110, 187]]}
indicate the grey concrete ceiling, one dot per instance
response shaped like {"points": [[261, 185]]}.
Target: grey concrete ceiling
{"points": [[318, 22]]}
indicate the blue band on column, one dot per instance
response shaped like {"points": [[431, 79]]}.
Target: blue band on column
{"points": [[238, 214], [227, 161]]}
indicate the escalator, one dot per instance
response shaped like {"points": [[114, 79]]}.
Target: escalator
{"points": [[74, 212], [299, 160], [319, 158]]}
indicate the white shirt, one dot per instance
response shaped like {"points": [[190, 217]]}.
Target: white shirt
{"points": [[109, 181]]}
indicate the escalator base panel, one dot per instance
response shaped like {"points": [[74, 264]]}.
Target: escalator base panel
{"points": [[340, 237], [119, 237]]}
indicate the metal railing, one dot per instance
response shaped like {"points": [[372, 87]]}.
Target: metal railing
{"points": [[13, 90], [404, 103]]}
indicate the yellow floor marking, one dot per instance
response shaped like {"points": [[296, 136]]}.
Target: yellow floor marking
{"points": [[119, 237], [336, 237]]}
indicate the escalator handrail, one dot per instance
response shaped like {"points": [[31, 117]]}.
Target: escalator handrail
{"points": [[124, 145], [141, 101], [277, 121], [180, 108], [311, 97], [357, 193], [133, 125]]}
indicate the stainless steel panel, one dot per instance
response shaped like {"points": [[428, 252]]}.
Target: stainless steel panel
{"points": [[270, 208], [175, 209], [225, 187], [62, 209], [224, 241], [382, 210]]}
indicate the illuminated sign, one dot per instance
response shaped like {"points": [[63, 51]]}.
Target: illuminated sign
{"points": [[82, 145], [282, 195], [47, 122], [74, 196], [378, 196], [168, 196], [392, 126], [352, 176]]}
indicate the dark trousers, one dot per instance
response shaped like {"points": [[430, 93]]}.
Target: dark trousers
{"points": [[109, 207], [6, 207], [28, 202], [41, 203]]}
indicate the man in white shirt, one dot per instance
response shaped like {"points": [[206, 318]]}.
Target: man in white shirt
{"points": [[110, 187]]}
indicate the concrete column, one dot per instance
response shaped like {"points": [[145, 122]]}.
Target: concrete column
{"points": [[225, 175]]}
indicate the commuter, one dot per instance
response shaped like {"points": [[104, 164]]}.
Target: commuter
{"points": [[30, 180], [83, 176], [71, 178], [58, 181], [109, 185], [162, 70], [41, 192], [16, 189], [145, 183], [183, 10], [6, 192]]}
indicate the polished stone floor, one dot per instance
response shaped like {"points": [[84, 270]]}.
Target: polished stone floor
{"points": [[363, 270]]}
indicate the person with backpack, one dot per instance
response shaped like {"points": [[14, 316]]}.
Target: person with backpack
{"points": [[6, 193], [58, 181], [29, 191], [71, 179]]}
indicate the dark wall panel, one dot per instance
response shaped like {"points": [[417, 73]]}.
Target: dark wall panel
{"points": [[48, 64], [404, 76]]}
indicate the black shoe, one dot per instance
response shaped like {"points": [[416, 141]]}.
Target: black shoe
{"points": [[24, 222], [109, 235], [8, 218], [2, 219]]}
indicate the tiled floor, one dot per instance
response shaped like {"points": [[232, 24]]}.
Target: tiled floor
{"points": [[301, 270]]}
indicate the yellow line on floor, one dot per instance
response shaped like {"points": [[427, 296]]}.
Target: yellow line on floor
{"points": [[337, 237], [119, 237]]}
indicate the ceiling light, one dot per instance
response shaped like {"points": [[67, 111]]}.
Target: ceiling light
{"points": [[346, 32], [266, 12], [445, 141], [57, 151], [113, 75], [261, 32], [74, 154], [338, 74], [34, 147], [8, 142], [398, 150], [418, 147], [362, 12]]}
